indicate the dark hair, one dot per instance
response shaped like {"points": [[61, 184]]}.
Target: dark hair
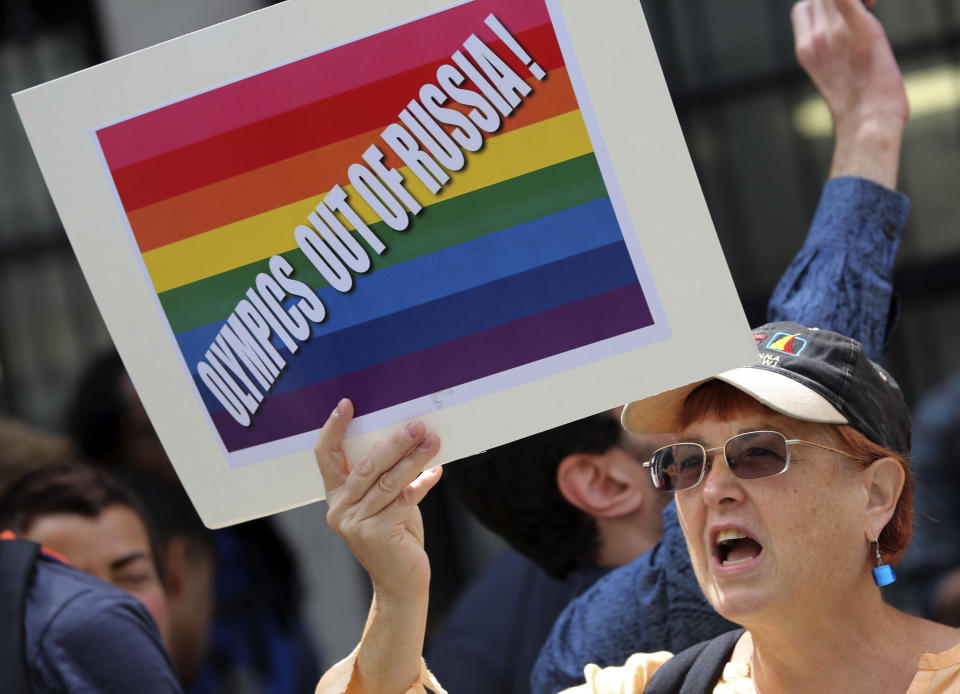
{"points": [[67, 486], [512, 489], [170, 510], [719, 399], [95, 411]]}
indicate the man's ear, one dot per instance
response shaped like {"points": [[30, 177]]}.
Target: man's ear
{"points": [[885, 478], [599, 484], [175, 565]]}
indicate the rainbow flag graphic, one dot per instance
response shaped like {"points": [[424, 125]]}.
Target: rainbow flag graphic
{"points": [[295, 265], [789, 344]]}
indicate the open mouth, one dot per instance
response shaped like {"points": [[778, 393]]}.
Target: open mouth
{"points": [[735, 547]]}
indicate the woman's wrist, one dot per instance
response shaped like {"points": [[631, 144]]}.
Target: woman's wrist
{"points": [[870, 149], [400, 606], [390, 653], [400, 593]]}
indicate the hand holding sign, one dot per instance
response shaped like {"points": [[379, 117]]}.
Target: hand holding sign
{"points": [[373, 503], [373, 506]]}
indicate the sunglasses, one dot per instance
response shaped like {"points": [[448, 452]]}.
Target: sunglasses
{"points": [[750, 456]]}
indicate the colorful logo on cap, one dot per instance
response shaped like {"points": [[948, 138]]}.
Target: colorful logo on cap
{"points": [[787, 343]]}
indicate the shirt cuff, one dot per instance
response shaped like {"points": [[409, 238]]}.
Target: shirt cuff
{"points": [[860, 216], [338, 679]]}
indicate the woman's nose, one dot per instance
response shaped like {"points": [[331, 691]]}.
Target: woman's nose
{"points": [[720, 485]]}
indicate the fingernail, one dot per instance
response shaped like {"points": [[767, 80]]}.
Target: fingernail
{"points": [[428, 441], [412, 429]]}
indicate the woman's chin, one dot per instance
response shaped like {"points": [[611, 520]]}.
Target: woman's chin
{"points": [[739, 605]]}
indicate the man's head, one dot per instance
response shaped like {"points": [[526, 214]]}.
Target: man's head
{"points": [[94, 521], [187, 555], [149, 543], [571, 497]]}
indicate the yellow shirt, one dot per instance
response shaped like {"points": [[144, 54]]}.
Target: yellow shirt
{"points": [[937, 673]]}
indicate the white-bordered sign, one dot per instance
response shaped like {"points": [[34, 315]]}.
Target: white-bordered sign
{"points": [[481, 214]]}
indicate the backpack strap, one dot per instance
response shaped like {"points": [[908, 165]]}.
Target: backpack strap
{"points": [[17, 559], [695, 670]]}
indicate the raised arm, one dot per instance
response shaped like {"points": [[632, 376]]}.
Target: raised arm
{"points": [[845, 51], [841, 278], [373, 507]]}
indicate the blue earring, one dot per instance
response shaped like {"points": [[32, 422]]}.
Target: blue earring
{"points": [[883, 574]]}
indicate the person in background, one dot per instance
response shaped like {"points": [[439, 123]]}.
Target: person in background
{"points": [[81, 634], [258, 641], [93, 520], [572, 502], [71, 632], [591, 508]]}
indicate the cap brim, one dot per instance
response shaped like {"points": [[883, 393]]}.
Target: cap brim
{"points": [[660, 414]]}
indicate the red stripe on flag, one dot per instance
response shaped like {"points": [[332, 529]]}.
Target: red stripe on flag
{"points": [[296, 84], [288, 134]]}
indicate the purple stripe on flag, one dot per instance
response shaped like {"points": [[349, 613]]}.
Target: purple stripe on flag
{"points": [[444, 366]]}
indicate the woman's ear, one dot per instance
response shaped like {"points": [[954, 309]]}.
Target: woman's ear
{"points": [[599, 485], [885, 478]]}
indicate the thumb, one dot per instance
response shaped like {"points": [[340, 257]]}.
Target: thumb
{"points": [[426, 480]]}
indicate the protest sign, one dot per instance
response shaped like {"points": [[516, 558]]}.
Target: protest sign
{"points": [[480, 214]]}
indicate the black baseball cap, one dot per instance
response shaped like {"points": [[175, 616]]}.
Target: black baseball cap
{"points": [[806, 373]]}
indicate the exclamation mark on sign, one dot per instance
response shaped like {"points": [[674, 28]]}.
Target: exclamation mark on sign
{"points": [[511, 43]]}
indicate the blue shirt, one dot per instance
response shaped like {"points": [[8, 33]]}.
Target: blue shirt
{"points": [[495, 630], [84, 636], [652, 604], [840, 280]]}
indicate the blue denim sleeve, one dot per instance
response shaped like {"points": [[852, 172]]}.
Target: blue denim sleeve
{"points": [[841, 278], [651, 604], [935, 550]]}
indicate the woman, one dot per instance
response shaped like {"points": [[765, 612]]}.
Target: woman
{"points": [[791, 486]]}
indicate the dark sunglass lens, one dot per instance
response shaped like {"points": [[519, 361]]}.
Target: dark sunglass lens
{"points": [[757, 454], [678, 466]]}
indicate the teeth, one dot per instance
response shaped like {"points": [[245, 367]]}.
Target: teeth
{"points": [[729, 536], [727, 562]]}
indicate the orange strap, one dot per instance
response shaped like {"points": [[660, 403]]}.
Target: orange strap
{"points": [[10, 535]]}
